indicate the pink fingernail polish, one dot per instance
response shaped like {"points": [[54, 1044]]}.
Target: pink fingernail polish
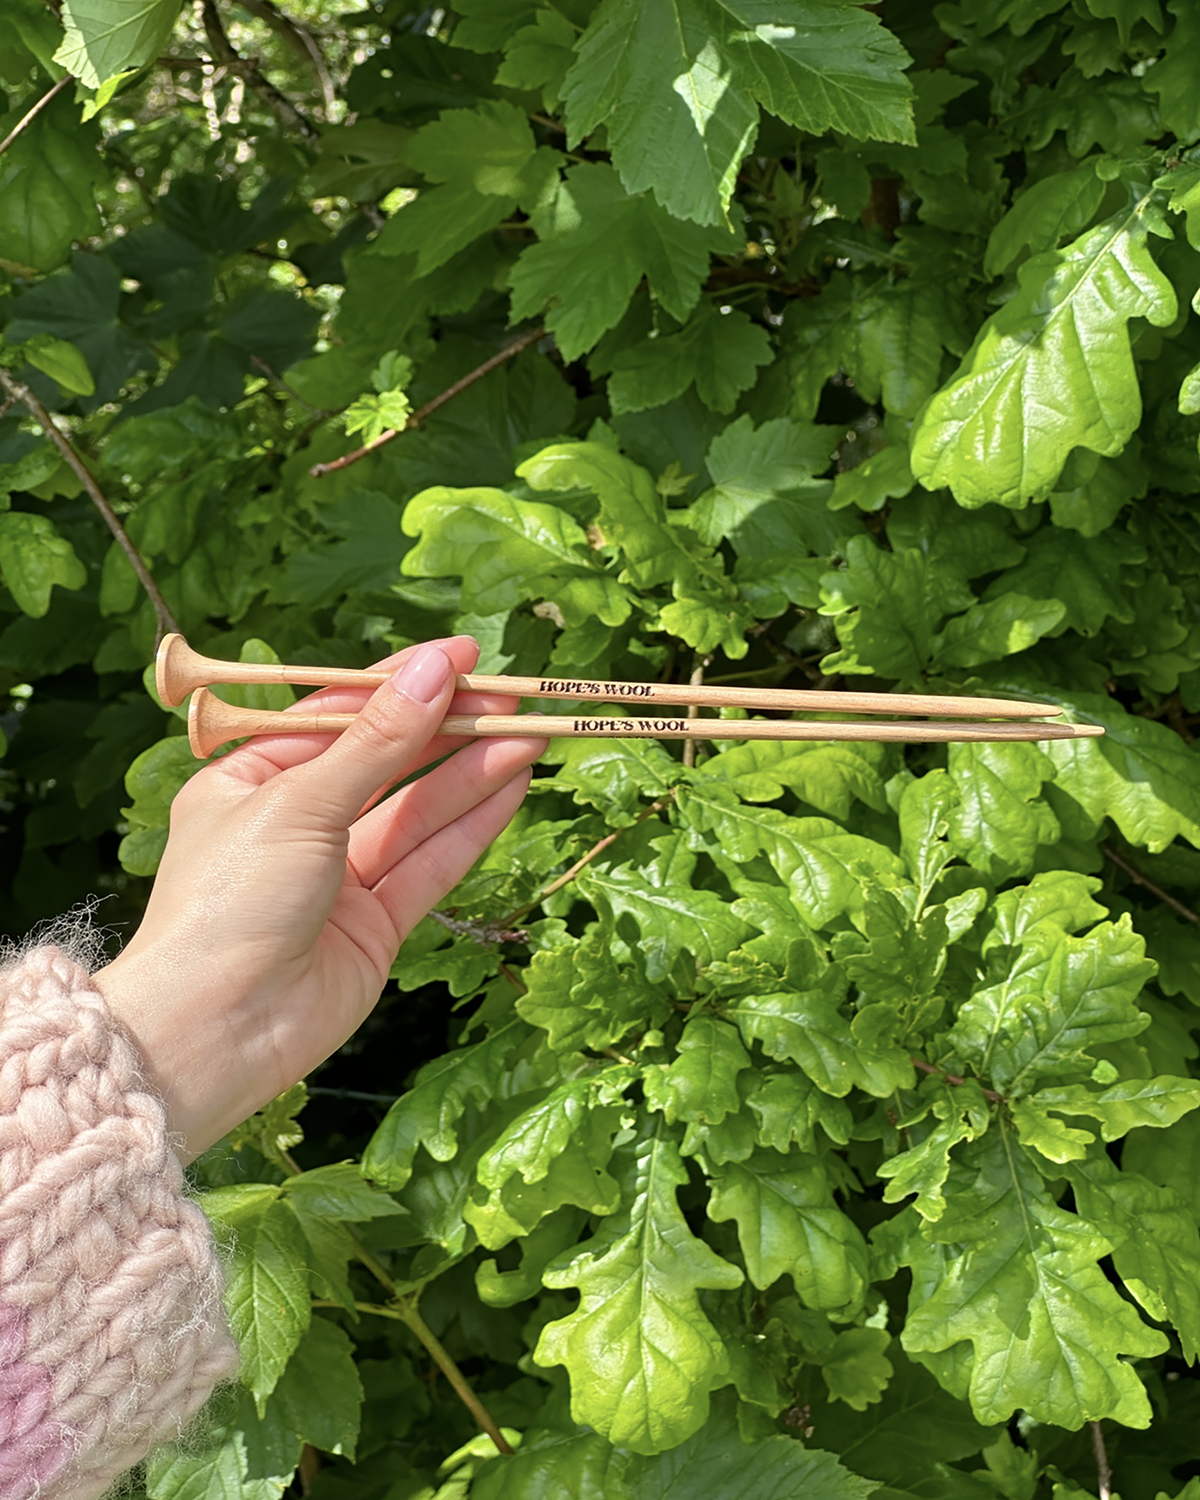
{"points": [[423, 675]]}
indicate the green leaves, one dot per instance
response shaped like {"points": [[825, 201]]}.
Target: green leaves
{"points": [[33, 558], [888, 605], [517, 549], [107, 37], [1051, 370], [639, 1317], [705, 610], [720, 353], [680, 85], [696, 1022], [1061, 997], [1047, 1328], [48, 178], [426, 1115], [788, 1224], [595, 243], [267, 1294], [485, 163]]}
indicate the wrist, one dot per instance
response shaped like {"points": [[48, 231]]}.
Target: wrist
{"points": [[181, 1063]]}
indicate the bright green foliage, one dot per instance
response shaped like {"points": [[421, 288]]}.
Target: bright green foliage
{"points": [[1002, 429], [678, 87], [108, 38], [639, 1319], [808, 1120]]}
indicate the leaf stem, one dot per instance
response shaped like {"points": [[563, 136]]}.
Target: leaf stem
{"points": [[954, 1078], [437, 1352], [318, 471], [31, 114], [1138, 878], [1103, 1472], [699, 663], [586, 859], [20, 392]]}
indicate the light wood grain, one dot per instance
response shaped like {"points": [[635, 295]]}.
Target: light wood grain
{"points": [[213, 723], [180, 671]]}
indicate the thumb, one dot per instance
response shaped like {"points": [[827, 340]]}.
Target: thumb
{"points": [[394, 726]]}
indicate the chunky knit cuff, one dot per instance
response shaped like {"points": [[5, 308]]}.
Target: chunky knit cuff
{"points": [[112, 1332]]}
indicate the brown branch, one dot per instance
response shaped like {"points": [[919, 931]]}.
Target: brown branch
{"points": [[318, 471], [224, 53], [1103, 1472], [557, 885], [166, 620], [483, 933], [1138, 878], [32, 114], [301, 39], [953, 1078], [309, 1468]]}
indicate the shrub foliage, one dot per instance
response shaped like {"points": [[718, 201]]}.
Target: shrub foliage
{"points": [[791, 1120]]}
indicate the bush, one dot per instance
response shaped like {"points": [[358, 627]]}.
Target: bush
{"points": [[782, 1119]]}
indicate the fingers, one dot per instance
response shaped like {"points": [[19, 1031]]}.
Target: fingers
{"points": [[267, 755], [417, 883], [389, 833], [394, 727]]}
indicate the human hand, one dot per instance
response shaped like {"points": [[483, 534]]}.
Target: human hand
{"points": [[285, 891]]}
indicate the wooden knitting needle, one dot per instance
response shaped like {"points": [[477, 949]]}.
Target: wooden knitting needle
{"points": [[213, 723], [179, 671]]}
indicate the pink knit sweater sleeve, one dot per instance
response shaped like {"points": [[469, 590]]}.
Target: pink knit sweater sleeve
{"points": [[112, 1331]]}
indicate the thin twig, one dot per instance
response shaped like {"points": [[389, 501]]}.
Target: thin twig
{"points": [[698, 665], [19, 392], [1103, 1472], [953, 1078], [277, 379], [586, 859], [483, 933], [318, 471], [301, 39], [318, 1090], [454, 1375], [225, 54], [34, 112], [1138, 878]]}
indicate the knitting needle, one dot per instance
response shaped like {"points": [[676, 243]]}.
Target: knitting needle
{"points": [[179, 671], [213, 723]]}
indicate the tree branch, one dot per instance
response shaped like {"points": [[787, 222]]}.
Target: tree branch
{"points": [[224, 53], [1138, 878], [301, 39], [318, 471], [31, 114], [19, 392]]}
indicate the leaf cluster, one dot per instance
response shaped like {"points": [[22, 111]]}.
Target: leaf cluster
{"points": [[796, 1119]]}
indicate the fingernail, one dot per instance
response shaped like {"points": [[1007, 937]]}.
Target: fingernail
{"points": [[423, 675]]}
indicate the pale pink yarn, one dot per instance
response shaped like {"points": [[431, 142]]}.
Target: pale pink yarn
{"points": [[112, 1331]]}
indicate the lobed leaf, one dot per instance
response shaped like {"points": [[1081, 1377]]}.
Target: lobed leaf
{"points": [[639, 1320], [1050, 371]]}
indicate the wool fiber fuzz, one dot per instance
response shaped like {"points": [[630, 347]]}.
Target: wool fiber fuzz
{"points": [[112, 1330]]}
